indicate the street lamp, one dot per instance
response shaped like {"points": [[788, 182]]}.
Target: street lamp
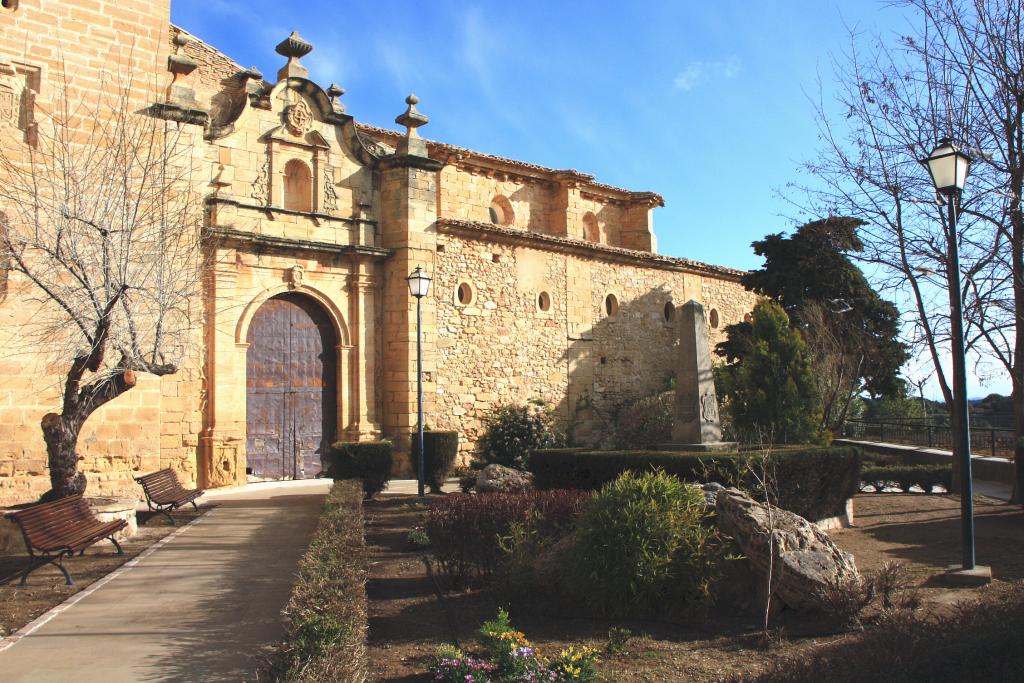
{"points": [[948, 166], [419, 285]]}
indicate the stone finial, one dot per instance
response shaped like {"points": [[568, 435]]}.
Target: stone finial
{"points": [[181, 65], [412, 143], [335, 92], [252, 74], [294, 48]]}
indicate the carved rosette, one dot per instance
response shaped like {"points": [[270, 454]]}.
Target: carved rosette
{"points": [[298, 118]]}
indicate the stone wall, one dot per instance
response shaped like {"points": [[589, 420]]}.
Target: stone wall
{"points": [[501, 348]]}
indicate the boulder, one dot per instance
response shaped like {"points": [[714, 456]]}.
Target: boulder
{"points": [[501, 479], [804, 558]]}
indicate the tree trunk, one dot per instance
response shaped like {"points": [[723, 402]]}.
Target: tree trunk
{"points": [[60, 432], [61, 435]]}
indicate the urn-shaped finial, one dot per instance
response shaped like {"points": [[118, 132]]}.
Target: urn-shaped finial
{"points": [[294, 48]]}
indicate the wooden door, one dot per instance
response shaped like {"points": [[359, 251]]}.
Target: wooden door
{"points": [[291, 388]]}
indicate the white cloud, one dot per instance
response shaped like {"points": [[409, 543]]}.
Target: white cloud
{"points": [[696, 73]]}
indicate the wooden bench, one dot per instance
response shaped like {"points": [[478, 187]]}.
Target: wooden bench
{"points": [[164, 492], [61, 528]]}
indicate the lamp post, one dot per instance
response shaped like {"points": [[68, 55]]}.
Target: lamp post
{"points": [[948, 166], [419, 285]]}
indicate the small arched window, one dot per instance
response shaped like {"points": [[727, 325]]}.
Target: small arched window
{"points": [[611, 305], [543, 302], [501, 211], [669, 312], [591, 231], [714, 318], [298, 186]]}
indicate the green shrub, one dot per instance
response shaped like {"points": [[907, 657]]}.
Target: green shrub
{"points": [[903, 477], [642, 547], [814, 482], [366, 460], [439, 452], [326, 616], [975, 640], [770, 389], [646, 423], [513, 433]]}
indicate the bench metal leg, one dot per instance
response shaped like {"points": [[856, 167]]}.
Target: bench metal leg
{"points": [[167, 514], [116, 545], [35, 563]]}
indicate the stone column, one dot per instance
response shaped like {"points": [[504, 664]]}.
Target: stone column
{"points": [[696, 426]]}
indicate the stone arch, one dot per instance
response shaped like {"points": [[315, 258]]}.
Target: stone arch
{"points": [[298, 186], [341, 330]]}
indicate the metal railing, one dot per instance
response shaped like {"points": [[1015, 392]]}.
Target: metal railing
{"points": [[984, 440]]}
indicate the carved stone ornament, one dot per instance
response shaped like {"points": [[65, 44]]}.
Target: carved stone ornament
{"points": [[709, 407], [8, 108], [330, 193], [295, 275], [261, 184], [298, 118]]}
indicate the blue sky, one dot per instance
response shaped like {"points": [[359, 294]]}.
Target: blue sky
{"points": [[705, 103], [702, 102]]}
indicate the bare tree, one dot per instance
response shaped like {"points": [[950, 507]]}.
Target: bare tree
{"points": [[958, 75], [103, 225], [837, 363]]}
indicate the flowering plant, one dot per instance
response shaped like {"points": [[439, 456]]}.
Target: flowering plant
{"points": [[510, 658]]}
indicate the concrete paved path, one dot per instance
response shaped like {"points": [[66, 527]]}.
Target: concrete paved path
{"points": [[203, 607]]}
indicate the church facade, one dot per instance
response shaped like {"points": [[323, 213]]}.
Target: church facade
{"points": [[546, 285]]}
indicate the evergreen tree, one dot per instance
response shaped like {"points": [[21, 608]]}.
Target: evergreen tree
{"points": [[769, 389]]}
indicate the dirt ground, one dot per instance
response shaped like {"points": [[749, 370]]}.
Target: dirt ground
{"points": [[408, 620], [46, 587]]}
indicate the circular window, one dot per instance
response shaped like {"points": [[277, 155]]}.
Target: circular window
{"points": [[669, 312], [748, 318], [611, 305], [544, 301], [500, 211], [714, 318], [464, 294]]}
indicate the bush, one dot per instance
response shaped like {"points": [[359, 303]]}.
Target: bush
{"points": [[770, 389], [326, 617], [813, 482], [439, 452], [515, 432], [465, 531], [646, 423], [366, 460], [642, 547], [976, 640], [903, 477]]}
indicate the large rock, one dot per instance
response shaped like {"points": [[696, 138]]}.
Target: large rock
{"points": [[501, 479], [805, 558]]}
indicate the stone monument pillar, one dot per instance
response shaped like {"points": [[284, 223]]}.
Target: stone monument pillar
{"points": [[696, 426]]}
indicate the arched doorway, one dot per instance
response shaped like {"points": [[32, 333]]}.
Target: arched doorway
{"points": [[291, 388]]}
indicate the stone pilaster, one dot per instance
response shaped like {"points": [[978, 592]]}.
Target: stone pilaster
{"points": [[360, 421], [407, 216]]}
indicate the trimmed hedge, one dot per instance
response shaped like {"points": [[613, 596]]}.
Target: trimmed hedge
{"points": [[366, 460], [326, 616], [440, 449], [814, 482], [975, 640], [902, 477]]}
